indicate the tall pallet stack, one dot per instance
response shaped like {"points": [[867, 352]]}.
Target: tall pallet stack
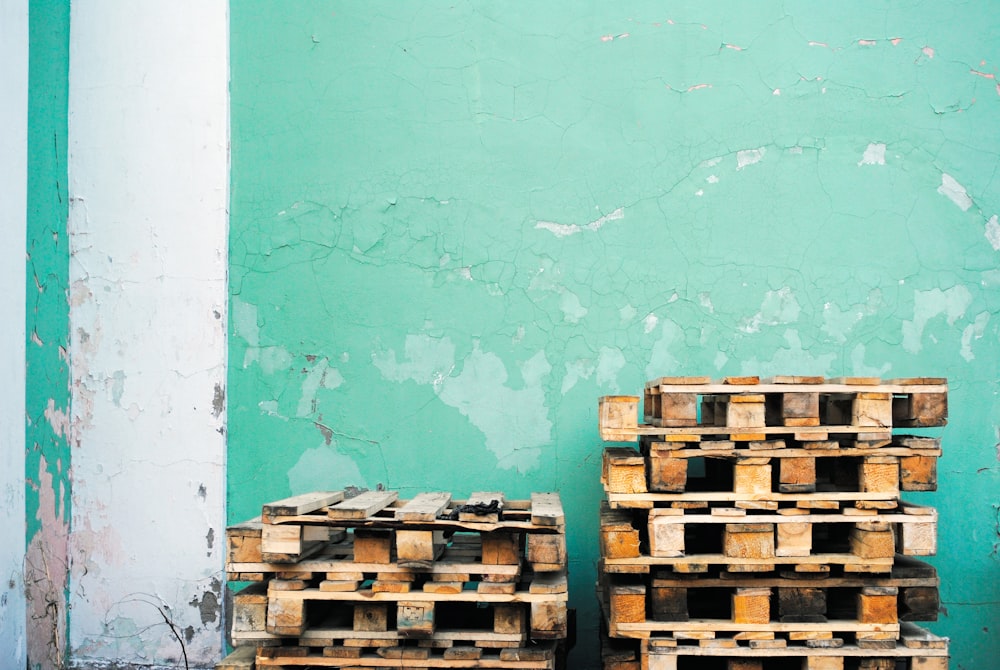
{"points": [[759, 525], [371, 581]]}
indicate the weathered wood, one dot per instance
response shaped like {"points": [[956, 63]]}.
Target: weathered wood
{"points": [[879, 474], [751, 605], [424, 507], [624, 470], [546, 553], [797, 475], [362, 505], [872, 541], [242, 658], [549, 620], [373, 546], [285, 616], [918, 473], [501, 548], [371, 617], [415, 618], [250, 610], [666, 473], [669, 603], [626, 603], [301, 504], [666, 539], [419, 546], [752, 476], [547, 510], [618, 538], [618, 418], [802, 604], [877, 605]]}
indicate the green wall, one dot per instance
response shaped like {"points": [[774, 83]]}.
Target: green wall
{"points": [[455, 225], [47, 392]]}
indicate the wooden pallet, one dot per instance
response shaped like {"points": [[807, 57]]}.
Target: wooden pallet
{"points": [[376, 533], [806, 540], [918, 650], [496, 557], [773, 473], [291, 612], [534, 657], [793, 595], [745, 409]]}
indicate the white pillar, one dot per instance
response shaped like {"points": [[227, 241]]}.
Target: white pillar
{"points": [[13, 226], [149, 176]]}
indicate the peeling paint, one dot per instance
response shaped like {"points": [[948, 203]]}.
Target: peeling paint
{"points": [[565, 230], [874, 155], [954, 191], [927, 305], [778, 307], [749, 157], [993, 232]]}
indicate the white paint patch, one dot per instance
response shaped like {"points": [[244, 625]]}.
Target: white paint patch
{"points": [[712, 179], [838, 323], [749, 157], [993, 232], [778, 307], [930, 304], [649, 323], [974, 331], [711, 162], [861, 369], [705, 300], [324, 468], [720, 360], [565, 230], [627, 313], [610, 362], [148, 167], [13, 212], [874, 155], [928, 51], [569, 305], [662, 361], [514, 422], [575, 371], [776, 91], [700, 192], [954, 191]]}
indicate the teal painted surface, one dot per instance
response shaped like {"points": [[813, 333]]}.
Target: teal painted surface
{"points": [[47, 394], [455, 226]]}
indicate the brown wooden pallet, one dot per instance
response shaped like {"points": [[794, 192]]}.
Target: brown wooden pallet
{"points": [[291, 612], [535, 657], [415, 531], [494, 552], [795, 401], [777, 474], [745, 409], [918, 650], [789, 599], [761, 541]]}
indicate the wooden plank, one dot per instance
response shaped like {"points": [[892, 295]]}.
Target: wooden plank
{"points": [[618, 418], [424, 507], [547, 510], [481, 505], [363, 505], [301, 504], [624, 470], [242, 658]]}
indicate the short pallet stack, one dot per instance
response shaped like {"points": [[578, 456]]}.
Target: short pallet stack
{"points": [[759, 525], [372, 582]]}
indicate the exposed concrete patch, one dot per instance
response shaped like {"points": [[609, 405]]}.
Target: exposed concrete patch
{"points": [[993, 232], [778, 307], [874, 155], [46, 569], [954, 191]]}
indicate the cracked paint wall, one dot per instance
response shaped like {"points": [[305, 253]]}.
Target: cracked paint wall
{"points": [[47, 453], [148, 129], [454, 226], [13, 213]]}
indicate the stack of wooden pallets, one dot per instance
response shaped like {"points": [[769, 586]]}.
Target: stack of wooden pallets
{"points": [[373, 581], [759, 525]]}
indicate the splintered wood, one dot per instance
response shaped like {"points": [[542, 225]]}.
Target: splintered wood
{"points": [[761, 519], [372, 580]]}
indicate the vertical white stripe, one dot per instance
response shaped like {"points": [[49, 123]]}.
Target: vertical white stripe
{"points": [[149, 176], [13, 226]]}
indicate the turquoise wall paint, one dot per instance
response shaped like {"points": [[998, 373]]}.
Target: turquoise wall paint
{"points": [[454, 226], [47, 392]]}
